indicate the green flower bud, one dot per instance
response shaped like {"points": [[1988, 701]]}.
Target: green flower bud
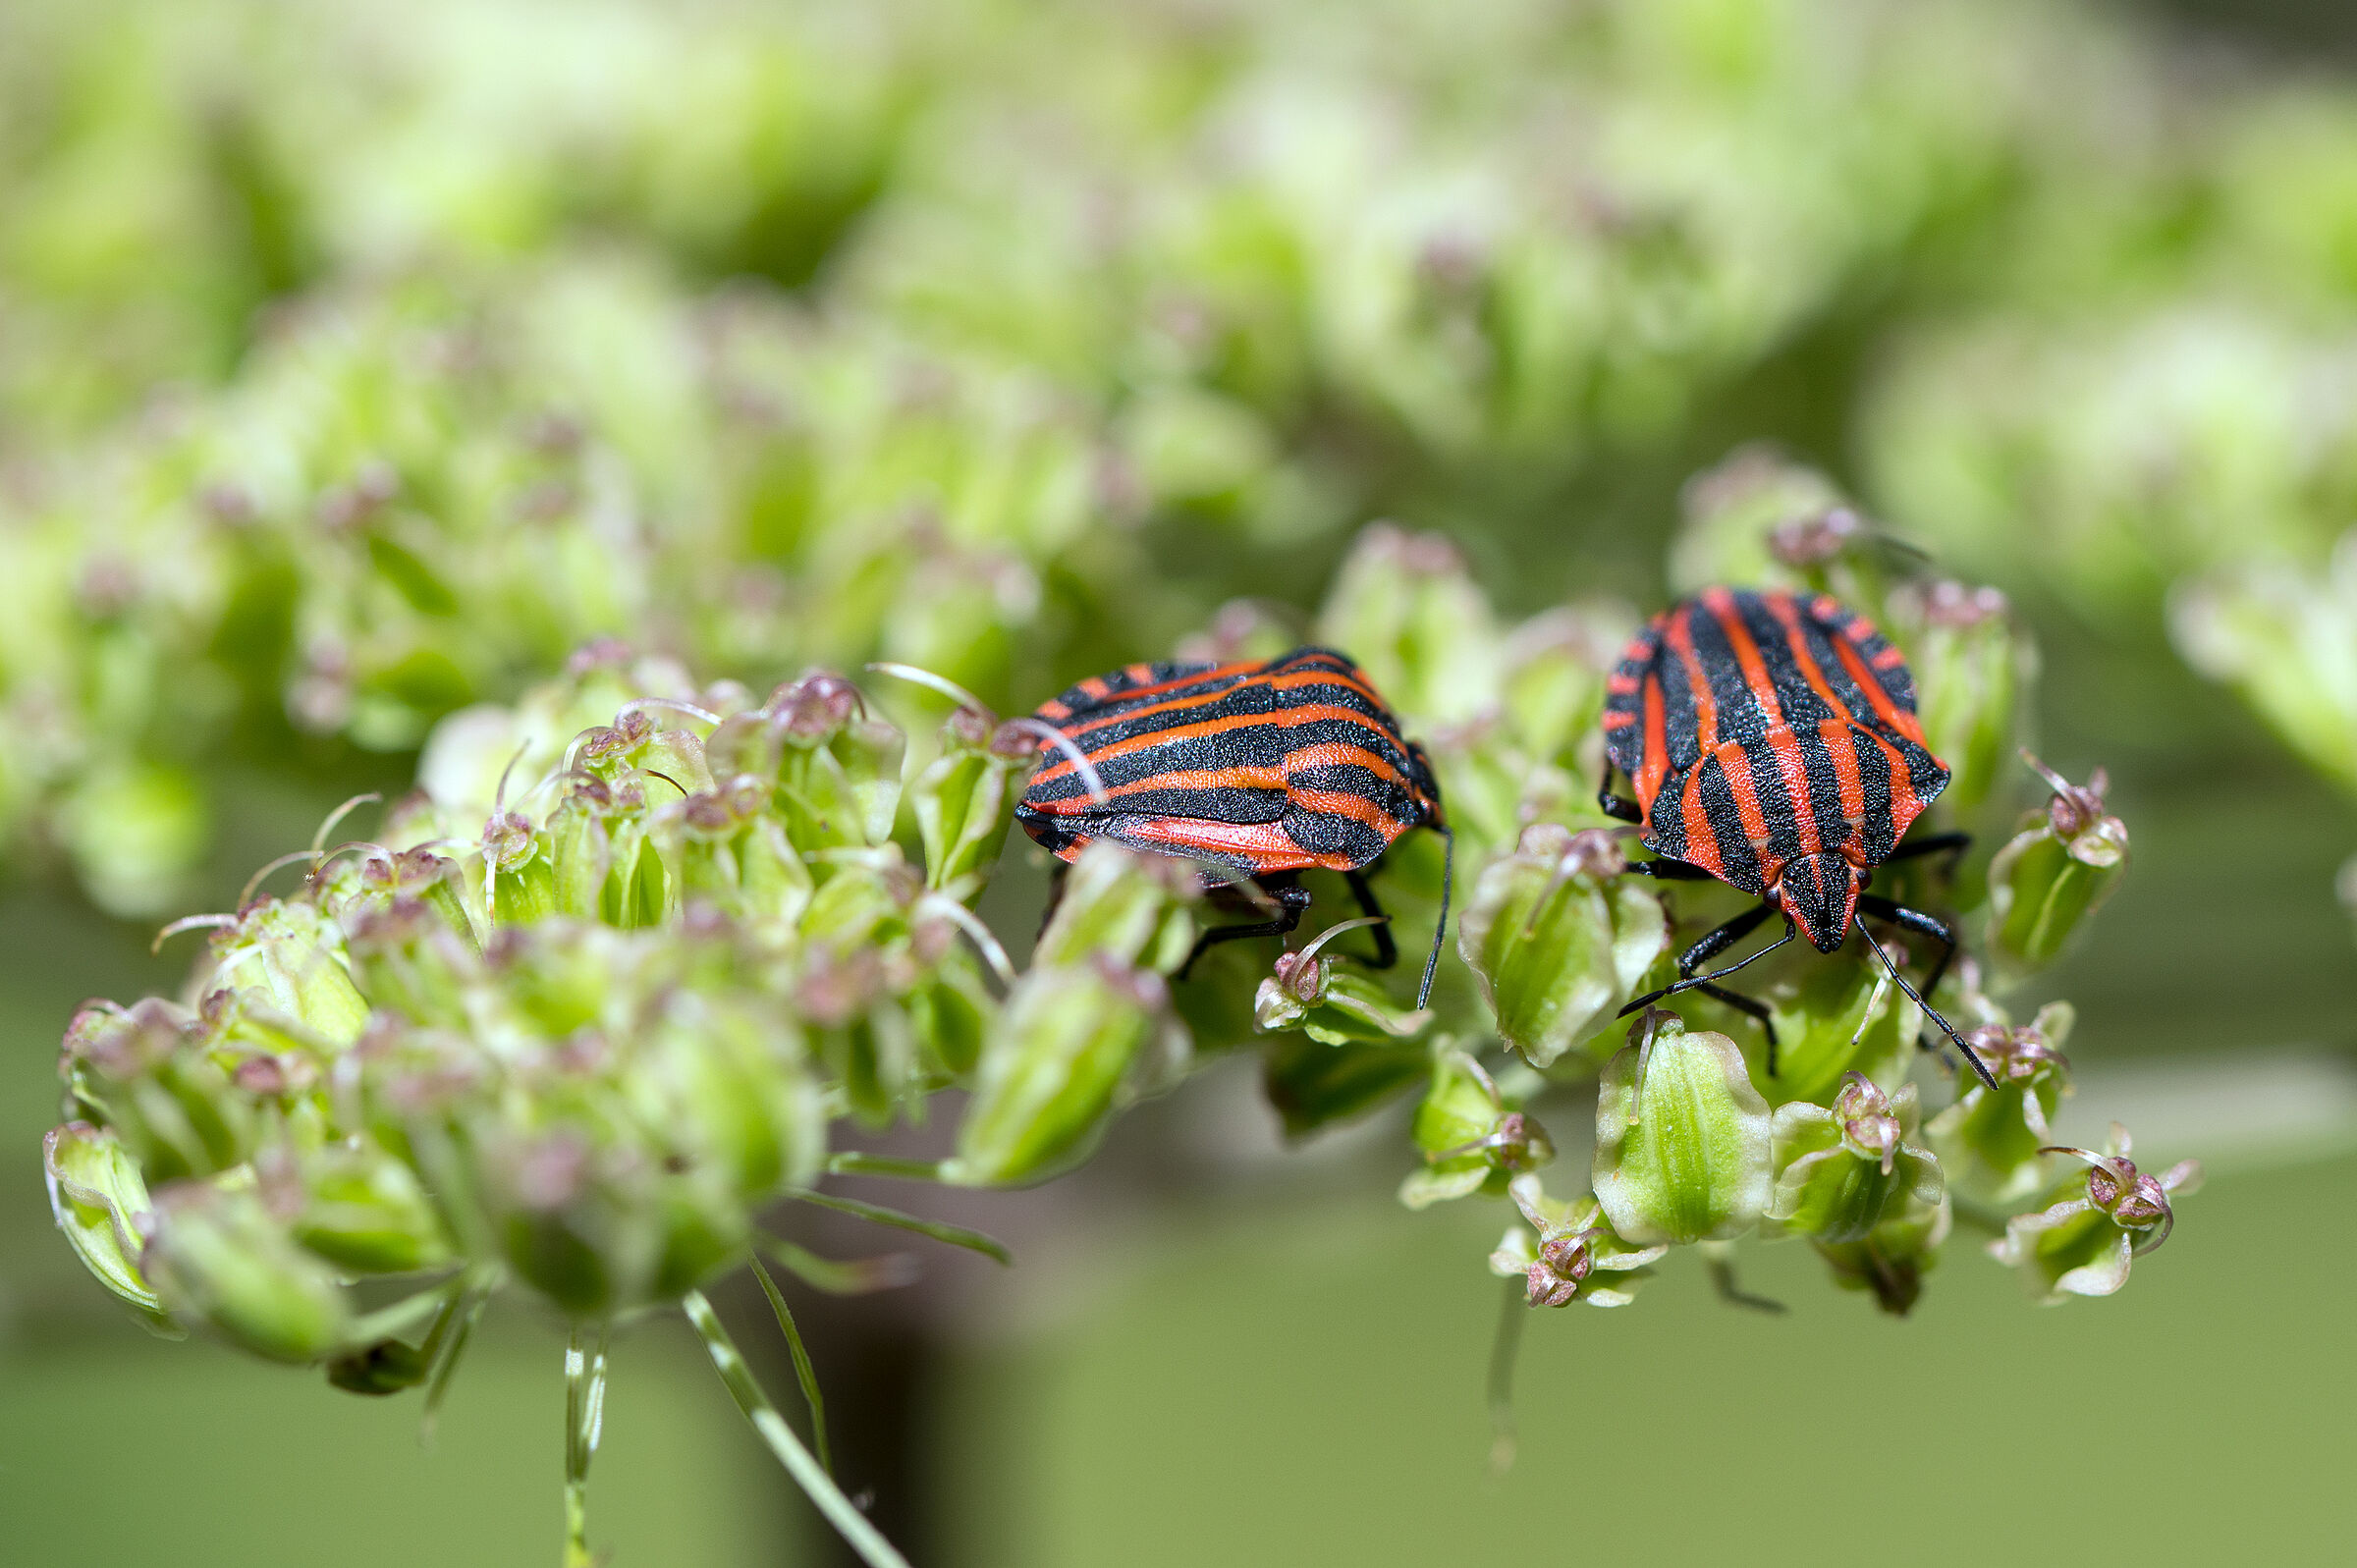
{"points": [[1763, 520], [2094, 1227], [1404, 606], [288, 956], [866, 899], [964, 800], [135, 832], [1841, 1171], [386, 1367], [1333, 1006], [1890, 1261], [1683, 1149], [578, 851], [100, 1202], [2055, 873], [414, 961], [1992, 1141], [725, 1085], [145, 1072], [1558, 939], [2285, 636], [1970, 667], [358, 1207], [1311, 1085], [217, 1255], [1555, 665], [838, 775], [1069, 1045], [1571, 1252], [1125, 907], [950, 1013], [1469, 1139]]}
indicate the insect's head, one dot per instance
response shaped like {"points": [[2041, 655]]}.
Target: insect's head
{"points": [[1819, 893]]}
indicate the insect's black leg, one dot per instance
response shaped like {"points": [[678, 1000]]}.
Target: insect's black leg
{"points": [[1612, 805], [1954, 844], [1387, 952], [1056, 878], [1715, 942], [1753, 1007], [1668, 871], [1292, 896], [1923, 925]]}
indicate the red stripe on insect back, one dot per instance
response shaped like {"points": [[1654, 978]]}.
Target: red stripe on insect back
{"points": [[1265, 845], [1889, 658], [1735, 763], [1342, 804], [1790, 766], [1283, 717], [1679, 633], [1834, 732], [1702, 840], [1619, 721], [1656, 765], [1227, 694], [1877, 695]]}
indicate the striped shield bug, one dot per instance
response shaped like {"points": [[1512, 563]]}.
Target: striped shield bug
{"points": [[1773, 744], [1258, 772]]}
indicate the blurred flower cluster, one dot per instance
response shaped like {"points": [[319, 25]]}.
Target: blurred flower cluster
{"points": [[576, 1034], [356, 364]]}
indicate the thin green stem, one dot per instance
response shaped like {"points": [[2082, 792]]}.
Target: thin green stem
{"points": [[852, 1163], [1505, 1350], [585, 1418], [856, 1277], [447, 1344], [804, 1373], [807, 1472], [937, 1230]]}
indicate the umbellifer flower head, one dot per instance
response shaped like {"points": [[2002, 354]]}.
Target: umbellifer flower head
{"points": [[1569, 1251], [2095, 1226]]}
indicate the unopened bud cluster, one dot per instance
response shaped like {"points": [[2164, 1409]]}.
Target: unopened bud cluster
{"points": [[571, 1027], [1704, 1134]]}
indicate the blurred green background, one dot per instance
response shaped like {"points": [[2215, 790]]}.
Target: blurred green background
{"points": [[358, 362]]}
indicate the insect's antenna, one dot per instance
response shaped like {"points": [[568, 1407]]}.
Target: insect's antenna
{"points": [[1979, 1068], [1062, 742], [1441, 929]]}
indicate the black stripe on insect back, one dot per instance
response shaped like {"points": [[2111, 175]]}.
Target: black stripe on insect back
{"points": [[1244, 694], [1874, 779], [1244, 745], [1326, 833], [1741, 717], [1740, 866], [1776, 806]]}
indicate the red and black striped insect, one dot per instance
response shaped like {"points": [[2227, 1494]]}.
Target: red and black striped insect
{"points": [[1773, 742], [1259, 772]]}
